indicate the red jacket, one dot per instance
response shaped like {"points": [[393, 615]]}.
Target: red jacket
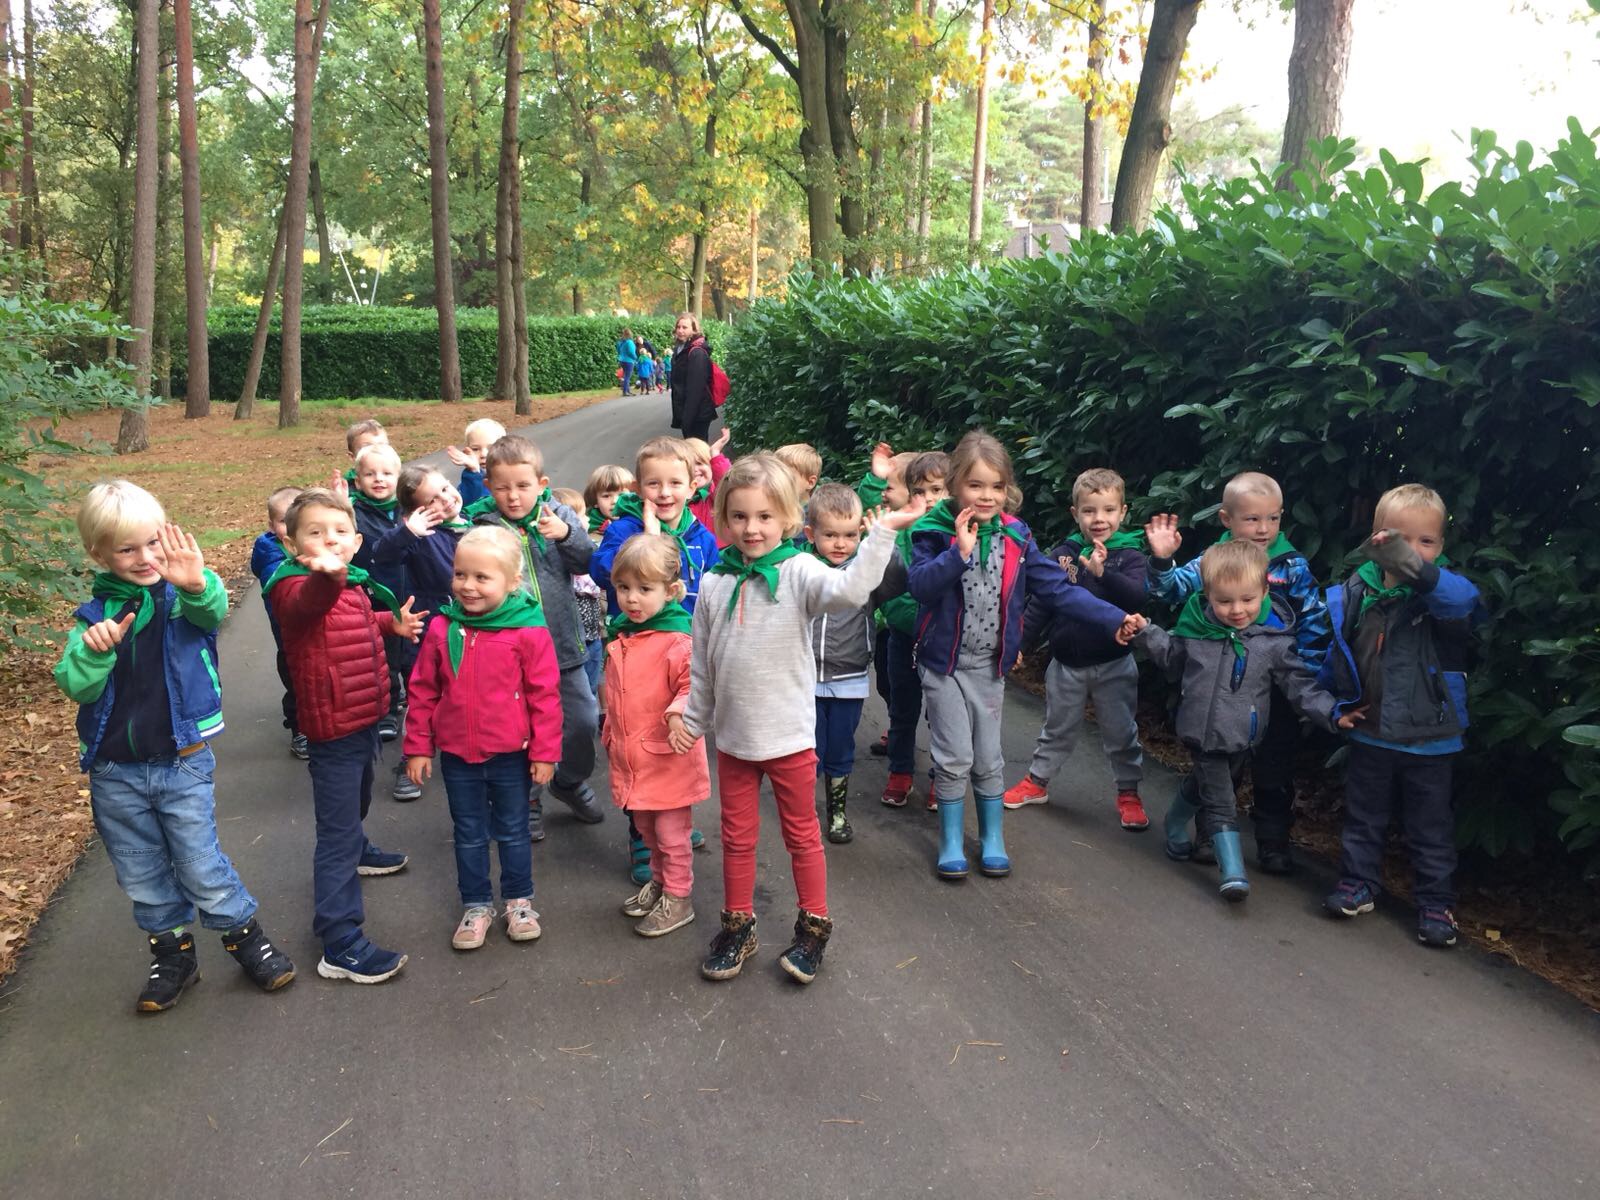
{"points": [[705, 511], [334, 643], [506, 698]]}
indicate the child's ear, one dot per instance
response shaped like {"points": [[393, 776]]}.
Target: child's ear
{"points": [[1225, 518], [806, 529], [358, 541], [677, 591], [544, 481]]}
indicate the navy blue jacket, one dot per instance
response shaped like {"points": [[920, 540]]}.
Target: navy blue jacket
{"points": [[1121, 585], [698, 554], [429, 563], [376, 529]]}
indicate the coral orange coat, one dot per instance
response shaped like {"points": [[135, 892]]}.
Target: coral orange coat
{"points": [[647, 677]]}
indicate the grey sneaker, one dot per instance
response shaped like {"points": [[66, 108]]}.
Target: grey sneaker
{"points": [[642, 901], [404, 789], [671, 912], [581, 800]]}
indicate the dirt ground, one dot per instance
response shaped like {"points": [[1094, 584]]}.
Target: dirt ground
{"points": [[213, 475]]}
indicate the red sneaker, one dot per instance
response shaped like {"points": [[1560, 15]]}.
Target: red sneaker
{"points": [[897, 789], [1131, 809], [1025, 793]]}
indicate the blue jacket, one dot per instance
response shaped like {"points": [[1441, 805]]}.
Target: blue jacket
{"points": [[698, 553], [472, 487], [266, 556], [377, 529], [627, 351], [1289, 579], [934, 581], [188, 637], [429, 563]]}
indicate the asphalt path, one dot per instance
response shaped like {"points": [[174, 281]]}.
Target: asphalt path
{"points": [[1100, 1024]]}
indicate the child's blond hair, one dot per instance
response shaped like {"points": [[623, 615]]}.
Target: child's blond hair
{"points": [[492, 430], [773, 478], [359, 430], [701, 450], [833, 500], [1408, 495], [801, 458], [571, 497], [501, 543], [1250, 483], [114, 511], [374, 450], [315, 498], [666, 449], [1098, 479], [279, 500], [607, 478], [514, 451], [1235, 561], [650, 558]]}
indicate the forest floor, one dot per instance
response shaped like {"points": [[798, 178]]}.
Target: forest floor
{"points": [[213, 476]]}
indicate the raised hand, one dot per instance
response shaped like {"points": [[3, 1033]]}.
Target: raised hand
{"points": [[340, 486], [327, 563], [647, 515], [409, 624], [542, 772], [1163, 536], [966, 532], [422, 521], [1130, 627], [1095, 560], [678, 735], [1394, 554], [551, 527], [1353, 718], [465, 459], [105, 636], [882, 460], [418, 768], [185, 567], [722, 440], [903, 518]]}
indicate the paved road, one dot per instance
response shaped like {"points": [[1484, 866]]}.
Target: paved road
{"points": [[1098, 1025]]}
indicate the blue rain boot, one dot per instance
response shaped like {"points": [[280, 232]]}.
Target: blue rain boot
{"points": [[992, 860], [1180, 813], [952, 854], [1230, 865]]}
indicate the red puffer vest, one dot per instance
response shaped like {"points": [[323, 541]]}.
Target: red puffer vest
{"points": [[334, 643]]}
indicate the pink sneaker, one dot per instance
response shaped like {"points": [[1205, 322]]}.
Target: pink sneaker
{"points": [[522, 923], [474, 927]]}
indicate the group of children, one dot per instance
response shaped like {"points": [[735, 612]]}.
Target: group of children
{"points": [[502, 626], [639, 364]]}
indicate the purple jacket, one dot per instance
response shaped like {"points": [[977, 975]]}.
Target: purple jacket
{"points": [[934, 581], [1071, 643]]}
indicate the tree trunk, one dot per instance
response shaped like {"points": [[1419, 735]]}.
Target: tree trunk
{"points": [[510, 163], [122, 226], [319, 214], [10, 212], [1149, 127], [197, 393], [133, 435], [439, 172], [842, 137], [925, 172], [755, 252], [1093, 124], [166, 289], [306, 30], [1317, 68], [980, 138], [702, 232], [258, 343], [32, 218]]}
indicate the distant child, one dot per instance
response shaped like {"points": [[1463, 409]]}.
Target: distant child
{"points": [[710, 465], [888, 490], [341, 687], [486, 695], [973, 568], [666, 369], [665, 471], [357, 438], [1402, 641], [606, 483], [647, 682], [266, 556], [376, 503], [1252, 510], [1234, 646], [141, 665], [1109, 564], [591, 600], [805, 463], [646, 369], [479, 436], [754, 686], [555, 547]]}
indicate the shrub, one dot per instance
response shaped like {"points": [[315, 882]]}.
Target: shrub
{"points": [[1369, 335], [352, 350]]}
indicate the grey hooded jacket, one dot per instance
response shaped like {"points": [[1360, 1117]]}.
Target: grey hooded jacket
{"points": [[553, 586]]}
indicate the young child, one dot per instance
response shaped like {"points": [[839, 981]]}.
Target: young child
{"points": [[1110, 564], [266, 555], [1234, 646], [647, 679], [486, 694], [555, 547], [710, 465], [665, 470], [754, 684], [606, 483], [890, 492], [666, 369], [141, 665], [973, 568], [1252, 510], [645, 370], [332, 638], [591, 601], [357, 438], [1402, 641], [425, 538], [376, 504], [805, 463], [479, 436]]}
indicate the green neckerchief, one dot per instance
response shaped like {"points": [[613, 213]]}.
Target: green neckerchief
{"points": [[1371, 574], [1122, 539], [353, 575], [517, 611], [350, 477], [630, 505], [733, 562], [528, 525], [701, 494], [457, 525], [118, 592], [1280, 545], [943, 519], [388, 507], [673, 618], [596, 519], [1195, 622]]}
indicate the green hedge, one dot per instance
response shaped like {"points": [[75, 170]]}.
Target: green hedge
{"points": [[1373, 335], [351, 350]]}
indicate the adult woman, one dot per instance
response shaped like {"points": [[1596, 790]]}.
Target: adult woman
{"points": [[692, 406], [627, 359]]}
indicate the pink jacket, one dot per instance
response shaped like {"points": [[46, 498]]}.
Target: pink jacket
{"points": [[705, 511], [647, 677], [506, 698]]}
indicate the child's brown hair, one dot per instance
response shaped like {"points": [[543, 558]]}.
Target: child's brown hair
{"points": [[360, 429], [607, 478], [1233, 561], [315, 498], [668, 449], [514, 450], [650, 558], [979, 446], [932, 464]]}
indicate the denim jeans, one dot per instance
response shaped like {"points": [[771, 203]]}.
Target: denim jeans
{"points": [[490, 800], [341, 791], [594, 662], [627, 376], [905, 701], [836, 735], [158, 820]]}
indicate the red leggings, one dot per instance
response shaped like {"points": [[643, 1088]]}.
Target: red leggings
{"points": [[794, 784]]}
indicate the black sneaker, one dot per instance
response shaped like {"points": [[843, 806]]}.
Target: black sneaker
{"points": [[735, 943], [360, 962], [1274, 856], [404, 790], [535, 818], [268, 967], [380, 862], [585, 805], [172, 970], [388, 727], [1437, 927], [299, 747], [803, 959]]}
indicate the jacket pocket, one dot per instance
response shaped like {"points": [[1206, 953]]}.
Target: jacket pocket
{"points": [[1455, 683]]}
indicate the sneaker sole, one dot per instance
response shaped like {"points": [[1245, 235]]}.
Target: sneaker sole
{"points": [[404, 797], [457, 944], [795, 972], [329, 971], [524, 935], [278, 981], [383, 870], [1234, 893], [893, 801], [841, 839], [1013, 805], [1435, 944], [730, 972], [1339, 910], [654, 933], [150, 1006]]}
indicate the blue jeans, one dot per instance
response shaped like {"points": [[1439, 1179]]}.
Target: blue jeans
{"points": [[836, 735], [158, 820], [627, 376], [594, 663], [490, 800], [341, 792], [905, 702]]}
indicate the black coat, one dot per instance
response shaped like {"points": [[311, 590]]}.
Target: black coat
{"points": [[692, 405]]}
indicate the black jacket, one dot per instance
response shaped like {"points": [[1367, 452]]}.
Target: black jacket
{"points": [[1073, 644], [691, 385]]}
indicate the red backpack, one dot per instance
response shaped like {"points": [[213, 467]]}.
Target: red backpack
{"points": [[719, 385]]}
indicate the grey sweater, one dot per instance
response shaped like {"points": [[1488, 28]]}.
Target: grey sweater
{"points": [[555, 569]]}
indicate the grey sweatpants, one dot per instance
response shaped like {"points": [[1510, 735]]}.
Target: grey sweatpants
{"points": [[580, 715], [964, 731], [1114, 688]]}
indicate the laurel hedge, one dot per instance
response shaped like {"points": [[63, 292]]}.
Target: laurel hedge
{"points": [[1366, 334]]}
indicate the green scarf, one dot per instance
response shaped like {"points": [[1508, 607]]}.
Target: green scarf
{"points": [[517, 611], [943, 520], [350, 477], [1122, 539], [630, 505], [733, 562], [117, 592], [1280, 545], [811, 549], [528, 526], [1195, 622], [455, 526], [596, 519], [1371, 574], [387, 507], [673, 618], [353, 575], [700, 495]]}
